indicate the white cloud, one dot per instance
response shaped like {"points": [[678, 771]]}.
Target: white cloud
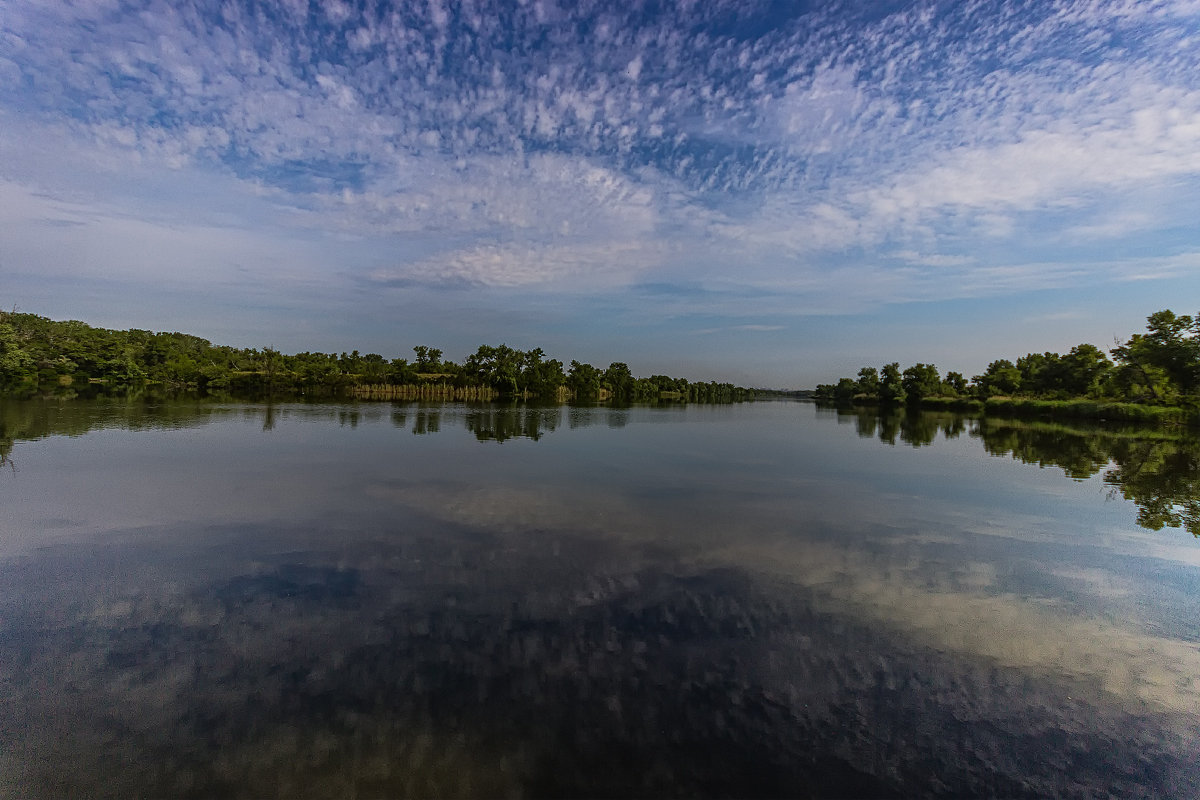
{"points": [[936, 152], [741, 328], [934, 259], [572, 267], [1053, 167], [79, 240]]}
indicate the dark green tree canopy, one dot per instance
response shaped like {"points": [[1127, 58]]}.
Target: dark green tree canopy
{"points": [[38, 355], [1159, 367], [921, 380]]}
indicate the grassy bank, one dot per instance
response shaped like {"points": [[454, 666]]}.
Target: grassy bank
{"points": [[1088, 409], [968, 404]]}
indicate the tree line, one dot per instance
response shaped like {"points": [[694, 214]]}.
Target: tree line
{"points": [[1159, 367], [40, 355]]}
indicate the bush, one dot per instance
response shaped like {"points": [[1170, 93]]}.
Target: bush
{"points": [[1086, 409], [951, 404]]}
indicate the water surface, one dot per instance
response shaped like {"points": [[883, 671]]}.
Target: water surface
{"points": [[445, 600]]}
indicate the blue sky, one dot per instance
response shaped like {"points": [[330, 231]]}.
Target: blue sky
{"points": [[770, 193]]}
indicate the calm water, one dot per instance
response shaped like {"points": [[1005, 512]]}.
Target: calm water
{"points": [[767, 599]]}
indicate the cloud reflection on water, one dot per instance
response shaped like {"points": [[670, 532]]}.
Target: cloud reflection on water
{"points": [[711, 603]]}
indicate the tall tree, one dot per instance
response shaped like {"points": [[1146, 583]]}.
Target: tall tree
{"points": [[891, 384], [618, 380], [1002, 377], [868, 381], [429, 359], [921, 380], [1172, 344], [955, 384], [16, 365], [584, 380], [1084, 369]]}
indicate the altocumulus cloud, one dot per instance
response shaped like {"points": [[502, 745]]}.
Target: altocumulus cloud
{"points": [[786, 161]]}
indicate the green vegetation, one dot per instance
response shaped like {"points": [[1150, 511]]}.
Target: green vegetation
{"points": [[1085, 409], [39, 356], [1153, 377]]}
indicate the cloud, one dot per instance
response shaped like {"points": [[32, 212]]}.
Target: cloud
{"points": [[1056, 316], [934, 259], [791, 161], [964, 612], [544, 195], [85, 241], [515, 265], [1151, 141], [741, 328]]}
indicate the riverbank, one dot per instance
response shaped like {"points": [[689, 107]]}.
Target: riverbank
{"points": [[1026, 407]]}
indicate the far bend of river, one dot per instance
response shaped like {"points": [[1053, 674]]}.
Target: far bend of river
{"points": [[766, 599]]}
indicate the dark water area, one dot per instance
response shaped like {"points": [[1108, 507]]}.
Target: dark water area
{"points": [[761, 600]]}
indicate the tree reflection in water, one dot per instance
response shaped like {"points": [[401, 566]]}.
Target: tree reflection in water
{"points": [[1157, 469], [500, 423], [915, 428]]}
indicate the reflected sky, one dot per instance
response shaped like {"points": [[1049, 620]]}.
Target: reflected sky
{"points": [[761, 599]]}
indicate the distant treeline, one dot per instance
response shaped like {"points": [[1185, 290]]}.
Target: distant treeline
{"points": [[40, 356], [1159, 368]]}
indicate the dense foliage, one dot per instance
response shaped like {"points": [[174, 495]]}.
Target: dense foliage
{"points": [[1160, 367], [39, 355]]}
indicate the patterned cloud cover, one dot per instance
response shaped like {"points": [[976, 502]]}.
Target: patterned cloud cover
{"points": [[765, 192]]}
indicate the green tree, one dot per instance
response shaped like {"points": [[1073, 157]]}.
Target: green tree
{"points": [[1084, 370], [921, 380], [350, 364], [41, 354], [618, 380], [868, 381], [270, 365], [891, 384], [584, 380], [401, 372], [845, 390], [1171, 345], [1040, 373], [429, 359], [1002, 377], [16, 365], [541, 376], [374, 368], [1140, 382], [498, 367], [954, 385]]}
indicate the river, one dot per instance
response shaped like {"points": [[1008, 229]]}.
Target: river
{"points": [[765, 599]]}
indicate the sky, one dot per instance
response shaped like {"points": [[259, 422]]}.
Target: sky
{"points": [[765, 192]]}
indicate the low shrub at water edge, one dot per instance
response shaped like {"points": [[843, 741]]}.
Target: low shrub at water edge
{"points": [[1085, 409], [951, 404]]}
